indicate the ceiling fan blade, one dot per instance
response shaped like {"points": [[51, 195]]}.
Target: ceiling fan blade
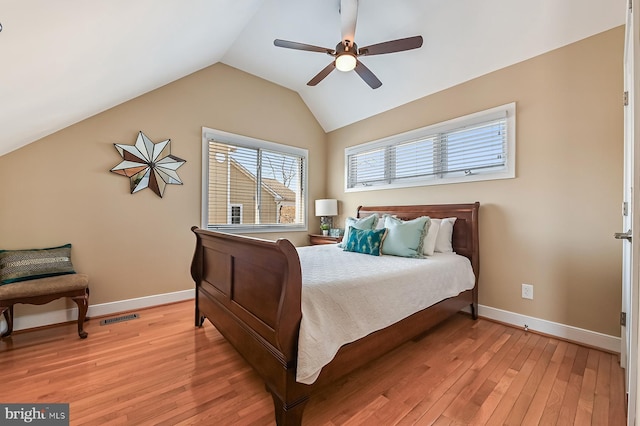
{"points": [[348, 18], [301, 46], [368, 77], [392, 46], [322, 74]]}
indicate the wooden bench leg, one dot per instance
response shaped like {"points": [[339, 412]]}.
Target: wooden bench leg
{"points": [[8, 316], [83, 306]]}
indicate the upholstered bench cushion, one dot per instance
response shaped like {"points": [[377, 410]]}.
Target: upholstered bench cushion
{"points": [[42, 286]]}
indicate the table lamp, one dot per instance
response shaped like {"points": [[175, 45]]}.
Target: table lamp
{"points": [[326, 209]]}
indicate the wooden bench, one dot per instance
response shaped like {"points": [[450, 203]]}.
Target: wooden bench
{"points": [[44, 290]]}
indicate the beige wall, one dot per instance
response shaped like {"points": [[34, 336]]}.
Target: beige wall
{"points": [[60, 190], [552, 225]]}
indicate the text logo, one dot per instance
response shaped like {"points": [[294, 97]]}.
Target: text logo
{"points": [[34, 414]]}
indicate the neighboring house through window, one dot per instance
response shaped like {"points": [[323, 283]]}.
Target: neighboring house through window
{"points": [[250, 185]]}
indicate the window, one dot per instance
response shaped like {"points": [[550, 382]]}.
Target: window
{"points": [[235, 214], [479, 146], [250, 185]]}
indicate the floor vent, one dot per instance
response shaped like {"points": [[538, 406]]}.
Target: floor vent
{"points": [[119, 319]]}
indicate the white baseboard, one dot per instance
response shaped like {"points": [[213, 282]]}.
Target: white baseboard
{"points": [[66, 315], [574, 334], [579, 335]]}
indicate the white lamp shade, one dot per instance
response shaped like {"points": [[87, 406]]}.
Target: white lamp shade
{"points": [[327, 207]]}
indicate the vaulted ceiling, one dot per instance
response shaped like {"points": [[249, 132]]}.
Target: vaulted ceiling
{"points": [[65, 60]]}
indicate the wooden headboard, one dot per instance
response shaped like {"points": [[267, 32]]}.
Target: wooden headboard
{"points": [[465, 240]]}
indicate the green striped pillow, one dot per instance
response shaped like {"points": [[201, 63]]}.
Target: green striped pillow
{"points": [[22, 265]]}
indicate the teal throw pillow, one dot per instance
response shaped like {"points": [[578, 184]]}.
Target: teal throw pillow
{"points": [[22, 265], [405, 238], [366, 241], [368, 222]]}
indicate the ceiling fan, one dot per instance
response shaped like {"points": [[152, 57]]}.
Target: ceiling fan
{"points": [[347, 52]]}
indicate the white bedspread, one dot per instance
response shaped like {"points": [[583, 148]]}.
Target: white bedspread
{"points": [[346, 296]]}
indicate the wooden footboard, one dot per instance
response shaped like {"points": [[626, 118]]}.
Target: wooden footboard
{"points": [[250, 289]]}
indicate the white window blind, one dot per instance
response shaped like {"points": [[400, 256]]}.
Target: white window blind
{"points": [[252, 185], [475, 147]]}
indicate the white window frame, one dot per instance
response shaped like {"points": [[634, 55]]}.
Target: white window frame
{"points": [[249, 142], [508, 172]]}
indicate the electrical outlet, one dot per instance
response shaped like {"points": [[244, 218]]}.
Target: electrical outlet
{"points": [[527, 291]]}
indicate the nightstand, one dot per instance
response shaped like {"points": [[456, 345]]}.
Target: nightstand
{"points": [[316, 239]]}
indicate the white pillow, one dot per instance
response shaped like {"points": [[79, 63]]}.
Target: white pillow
{"points": [[443, 239], [429, 244]]}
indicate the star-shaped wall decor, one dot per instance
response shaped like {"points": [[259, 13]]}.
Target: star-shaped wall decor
{"points": [[148, 164]]}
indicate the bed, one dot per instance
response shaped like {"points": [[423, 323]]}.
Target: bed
{"points": [[251, 290]]}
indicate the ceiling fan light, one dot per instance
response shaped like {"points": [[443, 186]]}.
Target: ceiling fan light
{"points": [[346, 62]]}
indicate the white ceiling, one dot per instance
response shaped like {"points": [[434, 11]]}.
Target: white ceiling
{"points": [[65, 60]]}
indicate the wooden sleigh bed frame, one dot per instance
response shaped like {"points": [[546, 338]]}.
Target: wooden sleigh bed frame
{"points": [[250, 290]]}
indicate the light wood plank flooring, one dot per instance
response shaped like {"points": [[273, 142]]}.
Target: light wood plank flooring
{"points": [[161, 370]]}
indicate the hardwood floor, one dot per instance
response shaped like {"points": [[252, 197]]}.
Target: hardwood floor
{"points": [[161, 370]]}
